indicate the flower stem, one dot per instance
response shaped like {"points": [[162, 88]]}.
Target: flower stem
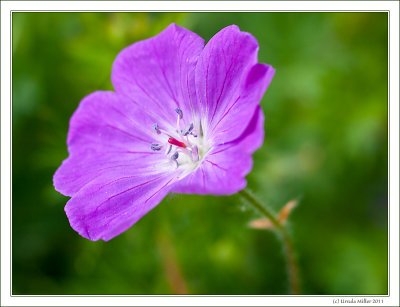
{"points": [[285, 237]]}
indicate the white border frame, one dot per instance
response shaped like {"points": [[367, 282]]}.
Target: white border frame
{"points": [[8, 6]]}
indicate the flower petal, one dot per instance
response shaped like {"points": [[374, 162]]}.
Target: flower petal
{"points": [[158, 73], [107, 133], [80, 169], [230, 83], [105, 208], [224, 168]]}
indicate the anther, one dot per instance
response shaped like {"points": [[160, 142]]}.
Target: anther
{"points": [[180, 113], [195, 154], [168, 150], [155, 126], [155, 147], [175, 156], [187, 130]]}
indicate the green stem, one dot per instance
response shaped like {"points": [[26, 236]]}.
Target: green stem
{"points": [[294, 283], [286, 240]]}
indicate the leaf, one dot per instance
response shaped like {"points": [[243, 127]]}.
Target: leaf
{"points": [[265, 223], [285, 211]]}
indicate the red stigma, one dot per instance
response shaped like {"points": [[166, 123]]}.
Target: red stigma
{"points": [[176, 143]]}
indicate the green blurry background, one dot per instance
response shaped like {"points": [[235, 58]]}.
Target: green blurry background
{"points": [[326, 143]]}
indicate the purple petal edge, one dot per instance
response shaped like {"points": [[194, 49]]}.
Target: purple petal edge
{"points": [[223, 170], [103, 209]]}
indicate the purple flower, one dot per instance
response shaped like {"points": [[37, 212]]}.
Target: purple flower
{"points": [[184, 118]]}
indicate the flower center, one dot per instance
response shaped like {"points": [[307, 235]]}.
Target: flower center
{"points": [[184, 148]]}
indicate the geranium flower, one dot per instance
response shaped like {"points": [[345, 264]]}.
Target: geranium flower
{"points": [[184, 118]]}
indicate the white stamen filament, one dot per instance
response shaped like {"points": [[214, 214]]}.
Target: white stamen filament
{"points": [[185, 149]]}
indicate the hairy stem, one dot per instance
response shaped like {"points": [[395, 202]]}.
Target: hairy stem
{"points": [[293, 274], [293, 277], [173, 272]]}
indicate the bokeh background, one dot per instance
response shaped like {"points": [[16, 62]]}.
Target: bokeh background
{"points": [[326, 144]]}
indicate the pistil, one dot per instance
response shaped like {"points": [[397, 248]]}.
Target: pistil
{"points": [[182, 147], [176, 143]]}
